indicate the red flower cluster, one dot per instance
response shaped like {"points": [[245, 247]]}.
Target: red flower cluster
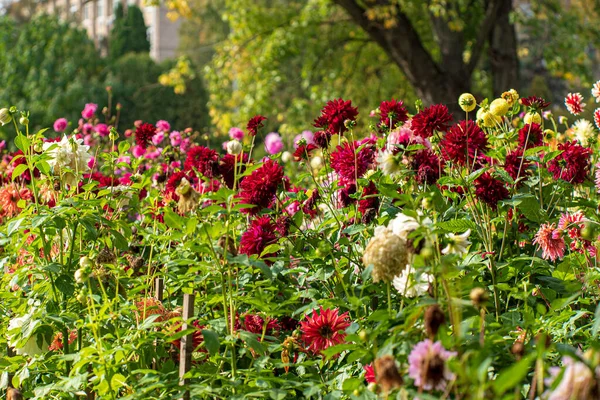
{"points": [[516, 165], [203, 160], [324, 329], [391, 113], [260, 187], [434, 118], [255, 124], [462, 137], [573, 164], [490, 190], [197, 340], [144, 134], [531, 136], [351, 161], [227, 166], [334, 115], [369, 204], [259, 235], [174, 181], [255, 323], [322, 139], [534, 102], [303, 151], [427, 166]]}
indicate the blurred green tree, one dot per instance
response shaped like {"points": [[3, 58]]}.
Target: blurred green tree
{"points": [[129, 33]]}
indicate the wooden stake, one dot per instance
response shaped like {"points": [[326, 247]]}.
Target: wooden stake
{"points": [[159, 288], [185, 357]]}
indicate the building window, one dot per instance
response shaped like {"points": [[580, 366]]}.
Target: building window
{"points": [[86, 11], [99, 8]]}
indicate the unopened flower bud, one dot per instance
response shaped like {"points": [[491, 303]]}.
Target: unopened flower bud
{"points": [[80, 276], [234, 147], [301, 142], [467, 102], [349, 123], [478, 296], [499, 107], [518, 349], [24, 120], [5, 116], [286, 156], [85, 262], [532, 117]]}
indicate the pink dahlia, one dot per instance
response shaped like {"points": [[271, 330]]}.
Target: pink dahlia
{"points": [[573, 164], [236, 133], [259, 235], [572, 224], [203, 160], [89, 110], [163, 126], [255, 124], [490, 190], [574, 103], [307, 136], [324, 329], [102, 130], [351, 161], [427, 365], [434, 118], [334, 116], [260, 187], [390, 114], [143, 134], [273, 143], [551, 242], [60, 125], [369, 373], [596, 91], [461, 138], [531, 136]]}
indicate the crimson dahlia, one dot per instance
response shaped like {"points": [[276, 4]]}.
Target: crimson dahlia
{"points": [[144, 134], [434, 118], [334, 115], [351, 161], [490, 190], [427, 165], [324, 329], [531, 136], [534, 102], [259, 235], [391, 113], [227, 166], [462, 137], [573, 164], [255, 124], [516, 165], [260, 187], [203, 160]]}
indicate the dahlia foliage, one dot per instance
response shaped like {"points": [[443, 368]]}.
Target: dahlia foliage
{"points": [[427, 256]]}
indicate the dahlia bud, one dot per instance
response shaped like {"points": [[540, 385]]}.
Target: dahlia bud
{"points": [[518, 349], [548, 134], [234, 147], [388, 253], [301, 142], [80, 276], [113, 135], [86, 263], [387, 375], [5, 116], [499, 107], [434, 318], [588, 231], [478, 297], [24, 120], [119, 107], [286, 157], [349, 123], [467, 102], [532, 117]]}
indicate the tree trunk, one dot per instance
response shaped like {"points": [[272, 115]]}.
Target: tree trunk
{"points": [[502, 51]]}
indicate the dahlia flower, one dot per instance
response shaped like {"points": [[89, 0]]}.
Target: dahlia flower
{"points": [[236, 133], [432, 119], [596, 91], [584, 131], [259, 235], [391, 113], [387, 253], [388, 162], [466, 135], [163, 126], [57, 341], [402, 225], [260, 187], [369, 203], [516, 165], [490, 190], [334, 116], [573, 164], [572, 224], [322, 139], [102, 130], [68, 154], [535, 103], [597, 117], [457, 244], [227, 166], [351, 161], [10, 195], [410, 285], [426, 165], [144, 134], [273, 143], [574, 103], [203, 160], [530, 136], [551, 242], [307, 136], [369, 373], [60, 125], [427, 365], [324, 329], [255, 124], [254, 323], [89, 110]]}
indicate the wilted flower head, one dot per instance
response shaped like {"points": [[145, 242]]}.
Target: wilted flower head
{"points": [[388, 254], [410, 284], [578, 382], [387, 375], [427, 365]]}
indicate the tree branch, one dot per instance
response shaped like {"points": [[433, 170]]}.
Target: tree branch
{"points": [[491, 13]]}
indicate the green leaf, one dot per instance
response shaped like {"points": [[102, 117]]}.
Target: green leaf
{"points": [[272, 248], [18, 170], [457, 225], [511, 376], [118, 381], [64, 284], [211, 341], [173, 220], [596, 326], [22, 143]]}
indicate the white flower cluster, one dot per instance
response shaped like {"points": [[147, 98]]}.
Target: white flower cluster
{"points": [[69, 158]]}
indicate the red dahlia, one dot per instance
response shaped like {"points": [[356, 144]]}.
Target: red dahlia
{"points": [[534, 102], [434, 118], [255, 124], [322, 139], [255, 323], [391, 113], [516, 165], [344, 195], [531, 136], [490, 190], [351, 161], [203, 160], [303, 151], [144, 134], [197, 340], [227, 166], [173, 183], [259, 235], [427, 166], [573, 164], [324, 329], [460, 137], [310, 205], [334, 115], [369, 203], [260, 187]]}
